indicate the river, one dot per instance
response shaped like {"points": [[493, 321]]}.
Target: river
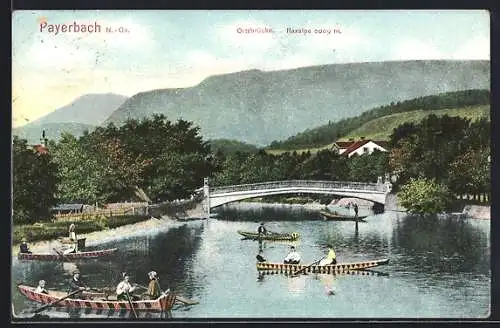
{"points": [[439, 267]]}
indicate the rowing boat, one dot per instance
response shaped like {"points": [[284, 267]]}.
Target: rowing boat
{"points": [[163, 303], [349, 273], [269, 236], [338, 268], [65, 257], [327, 215]]}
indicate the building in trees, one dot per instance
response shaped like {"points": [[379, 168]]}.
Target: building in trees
{"points": [[359, 147]]}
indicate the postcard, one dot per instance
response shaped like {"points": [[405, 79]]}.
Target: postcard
{"points": [[250, 165]]}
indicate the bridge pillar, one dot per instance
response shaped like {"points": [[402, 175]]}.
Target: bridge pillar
{"points": [[206, 198]]}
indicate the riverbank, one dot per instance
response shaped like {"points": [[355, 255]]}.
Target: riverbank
{"points": [[103, 236]]}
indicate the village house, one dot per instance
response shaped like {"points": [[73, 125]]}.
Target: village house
{"points": [[359, 147]]}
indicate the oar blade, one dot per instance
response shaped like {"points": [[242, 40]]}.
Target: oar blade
{"points": [[185, 300]]}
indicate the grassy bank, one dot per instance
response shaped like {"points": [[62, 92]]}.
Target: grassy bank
{"points": [[59, 228]]}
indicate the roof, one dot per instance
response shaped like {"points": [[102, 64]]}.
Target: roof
{"points": [[68, 207], [355, 145], [344, 144], [41, 149]]}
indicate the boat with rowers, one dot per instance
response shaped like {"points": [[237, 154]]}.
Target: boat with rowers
{"points": [[269, 236], [59, 256], [92, 300], [338, 268]]}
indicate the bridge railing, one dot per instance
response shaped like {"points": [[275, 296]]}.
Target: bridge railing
{"points": [[366, 186]]}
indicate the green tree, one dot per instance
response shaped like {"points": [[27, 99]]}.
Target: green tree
{"points": [[34, 183], [79, 177], [178, 159], [424, 196], [368, 167]]}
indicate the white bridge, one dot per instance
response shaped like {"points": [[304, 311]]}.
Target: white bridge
{"points": [[219, 195]]}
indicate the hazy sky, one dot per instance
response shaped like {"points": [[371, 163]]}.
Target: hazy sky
{"points": [[165, 49]]}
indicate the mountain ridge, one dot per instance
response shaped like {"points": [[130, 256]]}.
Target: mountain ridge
{"points": [[258, 107]]}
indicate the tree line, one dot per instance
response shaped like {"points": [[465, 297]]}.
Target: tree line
{"points": [[167, 160], [332, 131], [435, 161]]}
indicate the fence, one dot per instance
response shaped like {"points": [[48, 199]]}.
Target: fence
{"points": [[143, 210]]}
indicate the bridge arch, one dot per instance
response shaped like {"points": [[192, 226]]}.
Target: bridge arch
{"points": [[220, 195]]}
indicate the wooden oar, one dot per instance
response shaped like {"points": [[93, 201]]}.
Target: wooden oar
{"points": [[307, 267], [55, 302], [185, 300], [131, 305]]}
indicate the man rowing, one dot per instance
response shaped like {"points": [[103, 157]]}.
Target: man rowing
{"points": [[262, 230], [77, 284], [331, 258], [124, 289]]}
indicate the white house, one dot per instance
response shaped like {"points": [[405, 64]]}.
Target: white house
{"points": [[360, 147]]}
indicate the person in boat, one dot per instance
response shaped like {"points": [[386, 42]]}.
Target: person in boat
{"points": [[73, 248], [262, 229], [355, 206], [124, 288], [24, 248], [154, 289], [77, 284], [293, 257], [331, 258], [41, 287], [72, 232]]}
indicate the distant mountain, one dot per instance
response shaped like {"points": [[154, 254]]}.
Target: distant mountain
{"points": [[53, 131], [90, 109], [83, 113], [258, 107]]}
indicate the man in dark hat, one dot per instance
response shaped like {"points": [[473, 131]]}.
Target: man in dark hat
{"points": [[24, 248], [262, 230], [77, 284]]}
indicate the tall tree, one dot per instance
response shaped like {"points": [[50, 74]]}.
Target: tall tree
{"points": [[34, 183]]}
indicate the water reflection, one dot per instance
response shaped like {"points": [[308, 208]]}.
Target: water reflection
{"points": [[437, 268], [443, 245]]}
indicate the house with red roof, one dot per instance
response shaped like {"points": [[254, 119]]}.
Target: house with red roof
{"points": [[359, 147]]}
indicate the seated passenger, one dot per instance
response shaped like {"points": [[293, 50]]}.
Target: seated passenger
{"points": [[41, 287], [293, 257]]}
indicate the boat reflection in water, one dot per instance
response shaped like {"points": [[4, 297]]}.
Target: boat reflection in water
{"points": [[72, 313]]}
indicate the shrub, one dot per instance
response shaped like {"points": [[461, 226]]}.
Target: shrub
{"points": [[424, 196]]}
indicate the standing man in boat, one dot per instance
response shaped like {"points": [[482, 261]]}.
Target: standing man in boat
{"points": [[356, 211], [262, 230], [124, 288], [77, 284], [293, 257], [72, 237]]}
